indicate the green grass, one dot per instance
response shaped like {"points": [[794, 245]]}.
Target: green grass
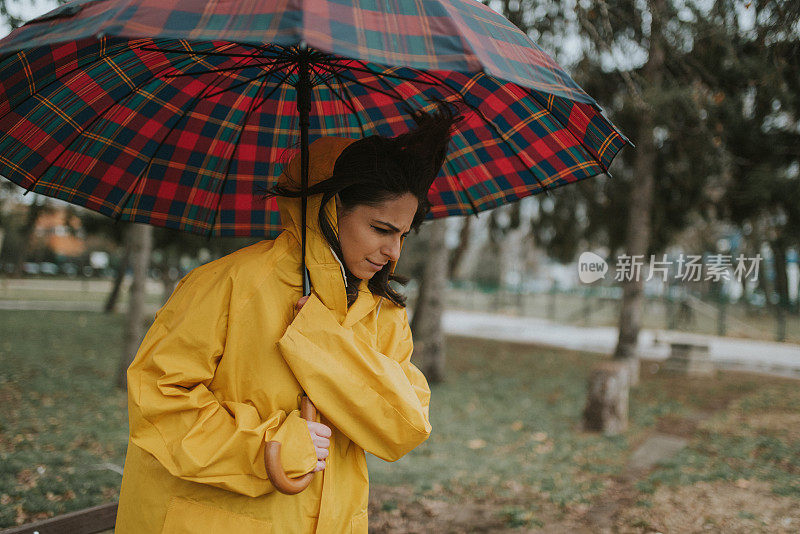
{"points": [[507, 417], [525, 404], [755, 438], [59, 291], [61, 418], [492, 385]]}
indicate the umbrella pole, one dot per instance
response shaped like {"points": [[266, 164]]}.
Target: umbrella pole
{"points": [[304, 108], [272, 451]]}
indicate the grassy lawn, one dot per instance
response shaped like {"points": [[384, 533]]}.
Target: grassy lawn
{"points": [[506, 453], [94, 291], [62, 423]]}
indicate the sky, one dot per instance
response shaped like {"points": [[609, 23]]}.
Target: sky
{"points": [[27, 9]]}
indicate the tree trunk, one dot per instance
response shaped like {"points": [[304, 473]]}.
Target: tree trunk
{"points": [[606, 408], [167, 280], [765, 284], [27, 233], [781, 286], [463, 244], [638, 237], [429, 347], [141, 243], [113, 297], [641, 203]]}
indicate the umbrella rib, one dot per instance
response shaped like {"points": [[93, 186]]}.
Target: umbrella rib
{"points": [[227, 69], [344, 100], [97, 117], [514, 149], [277, 86], [224, 180], [397, 76], [237, 85], [204, 52], [192, 103], [362, 84], [346, 90]]}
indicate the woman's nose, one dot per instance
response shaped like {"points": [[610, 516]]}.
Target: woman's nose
{"points": [[392, 250]]}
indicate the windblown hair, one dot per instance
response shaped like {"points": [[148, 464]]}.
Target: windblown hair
{"points": [[375, 169]]}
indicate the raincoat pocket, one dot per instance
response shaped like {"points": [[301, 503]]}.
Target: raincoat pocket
{"points": [[190, 517], [360, 523]]}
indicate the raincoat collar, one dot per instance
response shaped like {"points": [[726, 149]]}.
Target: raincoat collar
{"points": [[326, 271]]}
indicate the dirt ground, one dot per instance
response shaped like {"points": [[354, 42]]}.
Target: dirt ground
{"points": [[740, 507]]}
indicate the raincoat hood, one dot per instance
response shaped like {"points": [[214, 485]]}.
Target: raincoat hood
{"points": [[320, 258], [322, 158]]}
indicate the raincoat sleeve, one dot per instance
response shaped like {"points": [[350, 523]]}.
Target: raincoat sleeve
{"points": [[377, 398], [176, 418]]}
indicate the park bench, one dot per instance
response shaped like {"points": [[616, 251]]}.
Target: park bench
{"points": [[89, 521], [688, 355]]}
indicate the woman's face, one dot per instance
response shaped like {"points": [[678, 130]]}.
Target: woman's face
{"points": [[370, 235]]}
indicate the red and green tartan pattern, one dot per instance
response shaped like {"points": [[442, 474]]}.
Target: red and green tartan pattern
{"points": [[151, 130], [447, 35]]}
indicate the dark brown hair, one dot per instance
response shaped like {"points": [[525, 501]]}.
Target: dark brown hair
{"points": [[375, 169]]}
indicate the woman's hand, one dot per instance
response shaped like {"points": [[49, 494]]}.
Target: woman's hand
{"points": [[320, 435], [300, 303]]}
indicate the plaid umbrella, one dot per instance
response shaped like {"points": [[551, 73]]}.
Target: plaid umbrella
{"points": [[178, 113], [175, 112]]}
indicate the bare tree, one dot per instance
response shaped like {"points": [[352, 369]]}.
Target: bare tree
{"points": [[140, 237], [641, 198], [426, 324], [464, 238]]}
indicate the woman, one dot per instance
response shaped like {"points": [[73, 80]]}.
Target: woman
{"points": [[221, 370]]}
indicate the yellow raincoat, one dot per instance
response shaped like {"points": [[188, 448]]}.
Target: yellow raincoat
{"points": [[220, 373]]}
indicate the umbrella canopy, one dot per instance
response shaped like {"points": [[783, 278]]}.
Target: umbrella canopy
{"points": [[180, 113]]}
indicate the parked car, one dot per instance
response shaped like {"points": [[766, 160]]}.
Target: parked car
{"points": [[70, 269], [48, 268]]}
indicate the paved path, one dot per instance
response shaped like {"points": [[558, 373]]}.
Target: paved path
{"points": [[726, 352], [729, 353]]}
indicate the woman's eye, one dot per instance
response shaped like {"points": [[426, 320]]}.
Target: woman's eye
{"points": [[381, 230]]}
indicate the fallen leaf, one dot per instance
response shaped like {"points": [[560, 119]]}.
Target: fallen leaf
{"points": [[516, 425], [539, 436], [433, 508], [476, 444], [514, 486]]}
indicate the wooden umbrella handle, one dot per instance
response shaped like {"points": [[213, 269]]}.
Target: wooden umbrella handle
{"points": [[272, 457]]}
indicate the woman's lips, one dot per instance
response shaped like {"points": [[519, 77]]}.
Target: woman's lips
{"points": [[377, 266]]}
